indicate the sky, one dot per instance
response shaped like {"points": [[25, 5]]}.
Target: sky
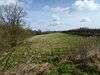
{"points": [[59, 14]]}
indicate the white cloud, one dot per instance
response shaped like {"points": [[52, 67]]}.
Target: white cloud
{"points": [[60, 9], [85, 19], [46, 7], [59, 13], [60, 18], [57, 16], [89, 5], [7, 2]]}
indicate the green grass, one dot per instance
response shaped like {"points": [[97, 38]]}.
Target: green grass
{"points": [[43, 48]]}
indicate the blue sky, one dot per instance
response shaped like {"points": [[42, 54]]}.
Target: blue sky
{"points": [[60, 14]]}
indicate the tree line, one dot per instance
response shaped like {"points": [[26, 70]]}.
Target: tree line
{"points": [[84, 32]]}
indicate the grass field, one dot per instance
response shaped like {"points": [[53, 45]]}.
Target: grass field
{"points": [[47, 48]]}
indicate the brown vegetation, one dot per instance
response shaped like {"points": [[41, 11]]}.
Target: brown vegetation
{"points": [[30, 69]]}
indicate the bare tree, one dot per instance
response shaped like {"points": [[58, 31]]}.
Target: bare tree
{"points": [[12, 17], [11, 14]]}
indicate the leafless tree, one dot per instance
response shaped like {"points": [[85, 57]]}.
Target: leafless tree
{"points": [[11, 14], [12, 17]]}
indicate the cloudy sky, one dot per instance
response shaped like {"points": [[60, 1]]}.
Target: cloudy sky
{"points": [[60, 14]]}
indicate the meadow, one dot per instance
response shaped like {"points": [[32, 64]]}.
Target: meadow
{"points": [[52, 49]]}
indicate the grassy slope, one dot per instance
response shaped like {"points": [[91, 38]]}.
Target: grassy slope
{"points": [[42, 48]]}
